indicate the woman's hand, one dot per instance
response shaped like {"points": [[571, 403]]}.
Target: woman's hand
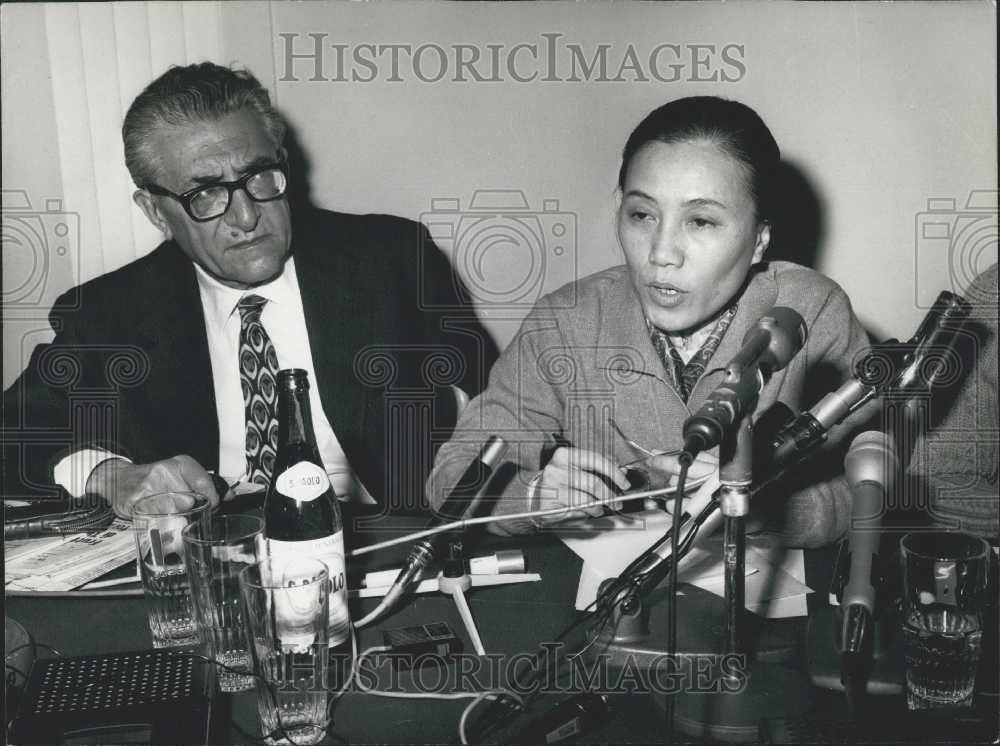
{"points": [[667, 468], [573, 479]]}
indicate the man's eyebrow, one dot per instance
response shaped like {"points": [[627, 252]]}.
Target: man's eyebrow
{"points": [[261, 160], [199, 180]]}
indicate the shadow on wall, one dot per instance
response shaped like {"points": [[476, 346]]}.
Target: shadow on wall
{"points": [[456, 294], [799, 222], [299, 169], [800, 226], [450, 300]]}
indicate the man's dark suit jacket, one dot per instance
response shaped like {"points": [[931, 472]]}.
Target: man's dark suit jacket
{"points": [[389, 327]]}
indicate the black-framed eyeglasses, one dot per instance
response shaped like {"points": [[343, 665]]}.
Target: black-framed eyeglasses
{"points": [[204, 203]]}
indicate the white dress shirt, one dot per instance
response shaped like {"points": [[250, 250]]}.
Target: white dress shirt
{"points": [[284, 320]]}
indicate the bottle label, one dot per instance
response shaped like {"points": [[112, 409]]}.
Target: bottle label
{"points": [[303, 482], [330, 551]]}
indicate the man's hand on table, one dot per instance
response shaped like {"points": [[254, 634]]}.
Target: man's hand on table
{"points": [[122, 483]]}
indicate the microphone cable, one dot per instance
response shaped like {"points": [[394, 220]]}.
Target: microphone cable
{"points": [[493, 715], [79, 520], [606, 601], [685, 460]]}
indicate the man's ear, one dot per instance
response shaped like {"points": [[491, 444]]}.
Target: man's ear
{"points": [[152, 212], [763, 241]]}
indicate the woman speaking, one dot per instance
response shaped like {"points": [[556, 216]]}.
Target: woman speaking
{"points": [[627, 354]]}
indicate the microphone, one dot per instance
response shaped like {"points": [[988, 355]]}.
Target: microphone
{"points": [[917, 365], [575, 716], [886, 366], [934, 340], [462, 495], [870, 467], [767, 348]]}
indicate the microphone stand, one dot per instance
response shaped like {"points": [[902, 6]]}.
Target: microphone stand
{"points": [[735, 477], [716, 695], [636, 637], [746, 692], [875, 670], [454, 580], [923, 364], [890, 371]]}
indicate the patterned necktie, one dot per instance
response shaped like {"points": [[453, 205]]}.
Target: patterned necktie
{"points": [[258, 375]]}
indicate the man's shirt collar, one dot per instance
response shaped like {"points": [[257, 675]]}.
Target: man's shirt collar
{"points": [[220, 300]]}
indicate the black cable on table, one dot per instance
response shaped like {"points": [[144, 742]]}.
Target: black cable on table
{"points": [[685, 460], [55, 651]]}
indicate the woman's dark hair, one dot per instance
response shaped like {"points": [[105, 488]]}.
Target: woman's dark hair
{"points": [[734, 127]]}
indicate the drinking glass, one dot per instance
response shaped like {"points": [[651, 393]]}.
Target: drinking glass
{"points": [[944, 589], [157, 522], [286, 603], [216, 551]]}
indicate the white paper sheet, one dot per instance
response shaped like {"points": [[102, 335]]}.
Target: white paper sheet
{"points": [[775, 582]]}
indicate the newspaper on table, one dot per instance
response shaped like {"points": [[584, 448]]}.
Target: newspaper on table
{"points": [[64, 563]]}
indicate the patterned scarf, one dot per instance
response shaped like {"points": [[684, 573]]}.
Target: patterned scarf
{"points": [[684, 377]]}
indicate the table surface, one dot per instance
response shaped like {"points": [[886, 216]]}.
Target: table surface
{"points": [[512, 620]]}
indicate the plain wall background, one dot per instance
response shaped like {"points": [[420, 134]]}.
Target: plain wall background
{"points": [[877, 107]]}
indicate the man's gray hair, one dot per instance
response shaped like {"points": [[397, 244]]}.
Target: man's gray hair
{"points": [[182, 95]]}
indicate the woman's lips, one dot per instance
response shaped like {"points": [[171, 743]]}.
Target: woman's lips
{"points": [[665, 294]]}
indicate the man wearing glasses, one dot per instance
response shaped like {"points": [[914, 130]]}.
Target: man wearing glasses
{"points": [[240, 287]]}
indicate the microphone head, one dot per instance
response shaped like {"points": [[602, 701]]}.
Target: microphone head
{"points": [[934, 354], [493, 452], [948, 308], [871, 458], [787, 333]]}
